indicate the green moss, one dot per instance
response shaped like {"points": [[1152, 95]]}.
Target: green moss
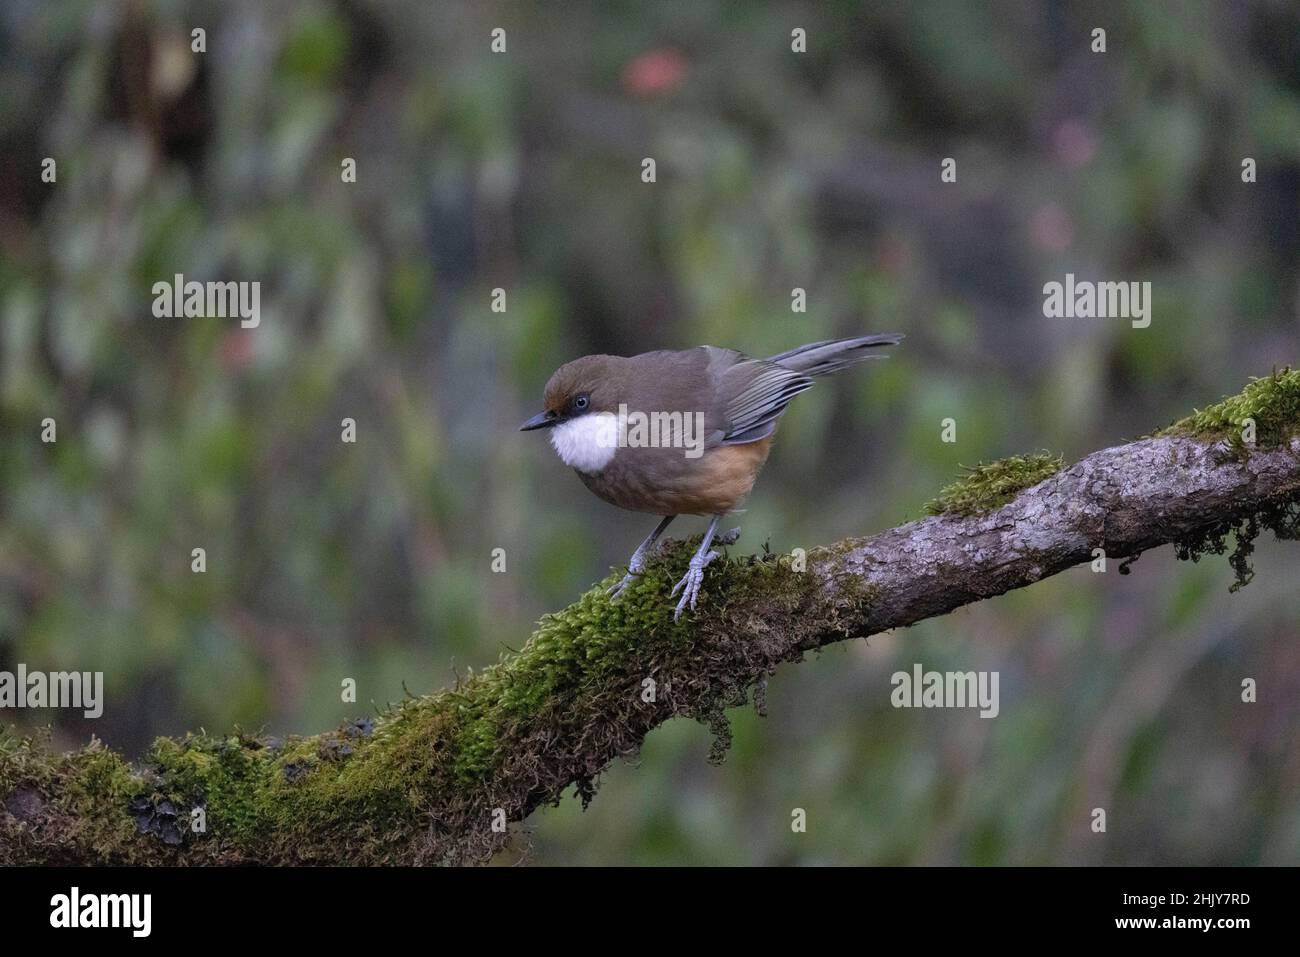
{"points": [[579, 654], [476, 749], [92, 773], [366, 792], [1272, 402], [988, 486], [222, 774], [586, 647], [89, 788]]}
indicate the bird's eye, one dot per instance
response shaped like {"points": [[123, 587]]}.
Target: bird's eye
{"points": [[580, 403]]}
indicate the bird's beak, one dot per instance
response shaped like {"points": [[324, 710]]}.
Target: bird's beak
{"points": [[542, 420]]}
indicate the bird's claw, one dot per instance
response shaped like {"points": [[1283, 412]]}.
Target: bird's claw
{"points": [[615, 591], [634, 569], [689, 586]]}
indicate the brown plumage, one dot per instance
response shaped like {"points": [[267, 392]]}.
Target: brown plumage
{"points": [[720, 408], [664, 482]]}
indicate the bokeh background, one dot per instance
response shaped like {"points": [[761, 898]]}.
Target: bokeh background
{"points": [[522, 171]]}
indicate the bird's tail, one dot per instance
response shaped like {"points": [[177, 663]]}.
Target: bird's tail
{"points": [[832, 355]]}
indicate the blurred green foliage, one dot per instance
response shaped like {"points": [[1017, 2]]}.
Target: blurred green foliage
{"points": [[522, 171]]}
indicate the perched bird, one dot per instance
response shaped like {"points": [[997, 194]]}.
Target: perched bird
{"points": [[681, 433]]}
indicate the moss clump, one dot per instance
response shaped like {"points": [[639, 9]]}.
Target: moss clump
{"points": [[54, 801], [222, 774], [588, 645], [583, 665], [596, 644], [988, 486], [1273, 402]]}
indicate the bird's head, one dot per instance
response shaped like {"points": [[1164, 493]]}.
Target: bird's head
{"points": [[581, 387]]}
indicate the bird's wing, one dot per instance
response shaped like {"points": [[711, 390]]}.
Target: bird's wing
{"points": [[754, 393], [741, 397]]}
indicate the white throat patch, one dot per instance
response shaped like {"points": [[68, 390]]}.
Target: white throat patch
{"points": [[587, 443]]}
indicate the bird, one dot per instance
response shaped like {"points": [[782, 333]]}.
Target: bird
{"points": [[681, 432]]}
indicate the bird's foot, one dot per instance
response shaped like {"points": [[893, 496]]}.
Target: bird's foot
{"points": [[615, 591], [634, 569], [690, 585]]}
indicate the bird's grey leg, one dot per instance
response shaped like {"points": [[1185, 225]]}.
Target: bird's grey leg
{"points": [[637, 562], [690, 585]]}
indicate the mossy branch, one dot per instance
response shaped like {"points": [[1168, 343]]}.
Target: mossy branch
{"points": [[437, 778]]}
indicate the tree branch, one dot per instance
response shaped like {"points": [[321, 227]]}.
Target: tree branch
{"points": [[435, 778]]}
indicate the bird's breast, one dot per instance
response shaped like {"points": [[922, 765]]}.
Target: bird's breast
{"points": [[664, 481]]}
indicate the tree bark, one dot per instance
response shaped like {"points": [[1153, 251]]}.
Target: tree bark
{"points": [[435, 778]]}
